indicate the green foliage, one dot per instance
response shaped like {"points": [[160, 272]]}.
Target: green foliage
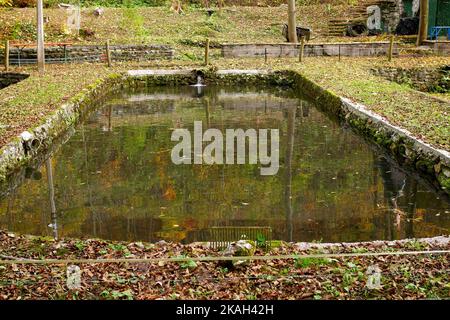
{"points": [[127, 294], [223, 269], [443, 85], [23, 30], [359, 250], [353, 267], [348, 279], [189, 264], [261, 240], [80, 245], [62, 251], [311, 262], [117, 246], [330, 289], [415, 245], [134, 21]]}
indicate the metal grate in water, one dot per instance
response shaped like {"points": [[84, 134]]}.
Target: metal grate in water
{"points": [[221, 237]]}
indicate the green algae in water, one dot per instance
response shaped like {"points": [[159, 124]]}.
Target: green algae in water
{"points": [[114, 178]]}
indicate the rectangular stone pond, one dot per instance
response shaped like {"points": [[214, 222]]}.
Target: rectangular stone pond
{"points": [[114, 178]]}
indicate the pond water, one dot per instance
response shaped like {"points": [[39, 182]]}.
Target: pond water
{"points": [[114, 178]]}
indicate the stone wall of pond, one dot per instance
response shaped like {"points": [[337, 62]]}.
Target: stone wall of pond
{"points": [[422, 79], [311, 50], [9, 78], [90, 53]]}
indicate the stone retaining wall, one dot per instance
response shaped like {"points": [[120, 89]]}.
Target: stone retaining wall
{"points": [[9, 78], [91, 53], [422, 79], [313, 49], [439, 47]]}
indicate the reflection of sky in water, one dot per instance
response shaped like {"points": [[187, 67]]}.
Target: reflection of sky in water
{"points": [[114, 178]]}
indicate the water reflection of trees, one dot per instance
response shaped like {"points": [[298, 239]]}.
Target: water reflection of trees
{"points": [[288, 172], [400, 198]]}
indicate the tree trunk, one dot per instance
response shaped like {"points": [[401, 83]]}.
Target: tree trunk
{"points": [[423, 22], [292, 28]]}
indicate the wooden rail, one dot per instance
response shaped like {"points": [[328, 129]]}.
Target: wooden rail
{"points": [[23, 45], [33, 44]]}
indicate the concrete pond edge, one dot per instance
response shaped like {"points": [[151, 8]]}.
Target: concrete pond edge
{"points": [[31, 146]]}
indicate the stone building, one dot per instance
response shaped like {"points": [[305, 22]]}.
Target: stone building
{"points": [[389, 16]]}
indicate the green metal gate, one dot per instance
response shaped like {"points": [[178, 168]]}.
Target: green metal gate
{"points": [[438, 14], [443, 13]]}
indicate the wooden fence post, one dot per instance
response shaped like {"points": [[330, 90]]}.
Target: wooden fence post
{"points": [[40, 37], [339, 52], [302, 48], [7, 55], [265, 55], [108, 53], [207, 52], [391, 47]]}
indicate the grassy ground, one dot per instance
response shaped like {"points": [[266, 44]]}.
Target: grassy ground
{"points": [[401, 277], [27, 103], [161, 25]]}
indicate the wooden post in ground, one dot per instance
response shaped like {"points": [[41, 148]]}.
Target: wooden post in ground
{"points": [[108, 53], [265, 55], [7, 55], [207, 52], [339, 52], [391, 47], [302, 49], [40, 37]]}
